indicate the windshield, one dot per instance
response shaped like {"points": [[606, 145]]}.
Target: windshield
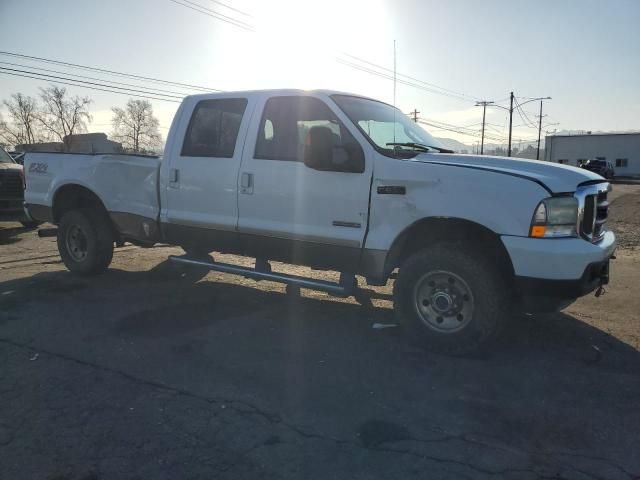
{"points": [[383, 124], [5, 157], [596, 163]]}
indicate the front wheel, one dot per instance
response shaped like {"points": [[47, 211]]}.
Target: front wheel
{"points": [[85, 241], [450, 300]]}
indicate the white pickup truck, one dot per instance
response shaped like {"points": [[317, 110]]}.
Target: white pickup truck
{"points": [[347, 183]]}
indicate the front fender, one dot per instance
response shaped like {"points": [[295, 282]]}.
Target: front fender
{"points": [[501, 203]]}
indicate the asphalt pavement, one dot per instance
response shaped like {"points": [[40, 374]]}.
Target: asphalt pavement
{"points": [[149, 373]]}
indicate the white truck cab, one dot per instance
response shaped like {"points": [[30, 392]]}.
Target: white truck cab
{"points": [[347, 183]]}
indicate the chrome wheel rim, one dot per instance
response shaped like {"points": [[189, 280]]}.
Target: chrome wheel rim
{"points": [[76, 242], [443, 301]]}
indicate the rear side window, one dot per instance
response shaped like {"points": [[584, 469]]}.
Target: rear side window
{"points": [[286, 123], [213, 128]]}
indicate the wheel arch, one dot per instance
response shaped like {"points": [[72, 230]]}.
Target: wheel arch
{"points": [[72, 196], [462, 232]]}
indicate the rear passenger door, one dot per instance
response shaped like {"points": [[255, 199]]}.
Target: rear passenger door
{"points": [[201, 178]]}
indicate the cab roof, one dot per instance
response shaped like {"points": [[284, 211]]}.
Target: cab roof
{"points": [[275, 91]]}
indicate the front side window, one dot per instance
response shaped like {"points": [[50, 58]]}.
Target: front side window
{"points": [[213, 129], [288, 123], [383, 124]]}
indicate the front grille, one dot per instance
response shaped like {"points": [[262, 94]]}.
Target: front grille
{"points": [[11, 185], [594, 217]]}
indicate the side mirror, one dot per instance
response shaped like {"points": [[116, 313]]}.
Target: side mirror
{"points": [[320, 153]]}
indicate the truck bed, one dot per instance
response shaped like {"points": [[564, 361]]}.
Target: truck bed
{"points": [[127, 184]]}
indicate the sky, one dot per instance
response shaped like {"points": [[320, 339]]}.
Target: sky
{"points": [[584, 54]]}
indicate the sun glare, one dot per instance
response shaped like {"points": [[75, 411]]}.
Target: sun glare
{"points": [[297, 45]]}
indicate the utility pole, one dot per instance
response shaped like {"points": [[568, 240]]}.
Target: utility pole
{"points": [[540, 128], [484, 104], [510, 110], [415, 115], [510, 124]]}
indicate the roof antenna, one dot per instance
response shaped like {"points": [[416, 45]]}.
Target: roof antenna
{"points": [[394, 95]]}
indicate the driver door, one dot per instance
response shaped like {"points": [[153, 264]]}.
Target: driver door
{"points": [[305, 212]]}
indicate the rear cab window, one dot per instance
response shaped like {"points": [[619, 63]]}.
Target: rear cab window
{"points": [[213, 128]]}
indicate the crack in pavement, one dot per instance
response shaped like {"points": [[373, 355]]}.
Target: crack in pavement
{"points": [[244, 408]]}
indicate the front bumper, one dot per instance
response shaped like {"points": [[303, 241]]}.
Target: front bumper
{"points": [[595, 275], [11, 210], [561, 268], [556, 258]]}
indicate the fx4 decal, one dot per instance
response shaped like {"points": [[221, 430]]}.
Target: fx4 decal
{"points": [[38, 168]]}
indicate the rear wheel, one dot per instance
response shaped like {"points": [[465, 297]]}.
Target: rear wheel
{"points": [[450, 300], [85, 241]]}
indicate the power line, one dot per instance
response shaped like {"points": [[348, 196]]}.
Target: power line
{"points": [[399, 80], [212, 13], [221, 16], [153, 90], [86, 82], [232, 8], [457, 129], [523, 115], [110, 72], [87, 87], [432, 85]]}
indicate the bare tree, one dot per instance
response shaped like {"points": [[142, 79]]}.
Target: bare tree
{"points": [[5, 139], [136, 127], [23, 126], [63, 116]]}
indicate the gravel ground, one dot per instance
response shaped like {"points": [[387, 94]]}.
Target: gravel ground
{"points": [[625, 216]]}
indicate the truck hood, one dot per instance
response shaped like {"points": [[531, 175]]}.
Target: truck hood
{"points": [[556, 178]]}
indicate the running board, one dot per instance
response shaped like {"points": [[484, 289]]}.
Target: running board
{"points": [[346, 287]]}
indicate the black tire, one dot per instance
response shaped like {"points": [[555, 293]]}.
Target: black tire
{"points": [[197, 253], [30, 225], [91, 250], [442, 277]]}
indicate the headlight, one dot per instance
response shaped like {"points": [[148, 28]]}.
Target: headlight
{"points": [[555, 217]]}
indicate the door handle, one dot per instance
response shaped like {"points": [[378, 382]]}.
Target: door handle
{"points": [[246, 183], [174, 175]]}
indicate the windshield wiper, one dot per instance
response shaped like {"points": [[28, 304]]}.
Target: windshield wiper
{"points": [[420, 146]]}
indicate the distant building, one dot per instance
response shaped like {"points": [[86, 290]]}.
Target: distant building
{"points": [[79, 143], [621, 149]]}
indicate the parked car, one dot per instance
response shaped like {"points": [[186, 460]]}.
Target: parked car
{"points": [[346, 183], [601, 167], [12, 191]]}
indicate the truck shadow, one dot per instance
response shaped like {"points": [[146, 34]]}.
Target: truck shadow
{"points": [[166, 301], [10, 234]]}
